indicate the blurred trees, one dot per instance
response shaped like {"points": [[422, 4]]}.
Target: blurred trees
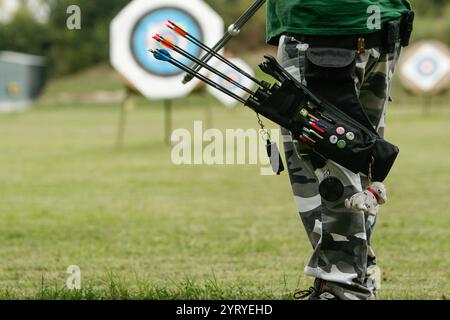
{"points": [[24, 34], [69, 51], [253, 35], [73, 50]]}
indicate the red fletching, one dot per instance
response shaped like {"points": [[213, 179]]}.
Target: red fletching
{"points": [[163, 41], [167, 44], [180, 31], [177, 29]]}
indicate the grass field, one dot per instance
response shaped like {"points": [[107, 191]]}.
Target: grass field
{"points": [[140, 227]]}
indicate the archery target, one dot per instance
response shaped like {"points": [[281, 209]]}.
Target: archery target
{"points": [[154, 22], [236, 76], [426, 67], [131, 39]]}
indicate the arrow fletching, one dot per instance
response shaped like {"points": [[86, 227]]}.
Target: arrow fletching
{"points": [[161, 54], [172, 25], [166, 43]]}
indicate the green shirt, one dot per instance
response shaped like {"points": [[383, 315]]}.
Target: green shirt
{"points": [[329, 17]]}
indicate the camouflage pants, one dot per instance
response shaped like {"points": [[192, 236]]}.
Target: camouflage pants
{"points": [[341, 239]]}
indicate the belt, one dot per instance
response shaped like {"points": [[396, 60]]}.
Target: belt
{"points": [[353, 42]]}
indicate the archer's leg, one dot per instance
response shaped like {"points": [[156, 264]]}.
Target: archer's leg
{"points": [[374, 82], [338, 236], [300, 167]]}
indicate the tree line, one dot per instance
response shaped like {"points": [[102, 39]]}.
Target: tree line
{"points": [[69, 51]]}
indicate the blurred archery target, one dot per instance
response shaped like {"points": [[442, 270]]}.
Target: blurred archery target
{"points": [[131, 38], [236, 76], [154, 22], [425, 67]]}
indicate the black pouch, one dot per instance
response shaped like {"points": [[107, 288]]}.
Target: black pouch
{"points": [[367, 152], [406, 27], [392, 36], [293, 105], [330, 64], [329, 73]]}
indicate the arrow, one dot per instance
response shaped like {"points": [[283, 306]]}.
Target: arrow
{"points": [[164, 55], [186, 54], [233, 30], [173, 26]]}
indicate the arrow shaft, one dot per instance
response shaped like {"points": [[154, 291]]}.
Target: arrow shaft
{"points": [[205, 79], [213, 70], [231, 32], [221, 58]]}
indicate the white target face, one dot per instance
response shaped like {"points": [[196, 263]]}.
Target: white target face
{"points": [[236, 76], [131, 38], [426, 67]]}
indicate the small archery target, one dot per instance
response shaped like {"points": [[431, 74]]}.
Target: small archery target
{"points": [[154, 22], [132, 32], [234, 75], [425, 67]]}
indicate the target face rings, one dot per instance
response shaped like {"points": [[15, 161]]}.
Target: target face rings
{"points": [[425, 67], [154, 22], [131, 35]]}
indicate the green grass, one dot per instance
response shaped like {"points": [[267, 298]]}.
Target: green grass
{"points": [[140, 227]]}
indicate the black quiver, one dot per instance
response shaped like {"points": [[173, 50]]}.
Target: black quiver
{"points": [[287, 103]]}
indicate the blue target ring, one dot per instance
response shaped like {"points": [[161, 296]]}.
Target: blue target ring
{"points": [[427, 66], [154, 22]]}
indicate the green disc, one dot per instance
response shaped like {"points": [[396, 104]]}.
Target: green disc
{"points": [[341, 144]]}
